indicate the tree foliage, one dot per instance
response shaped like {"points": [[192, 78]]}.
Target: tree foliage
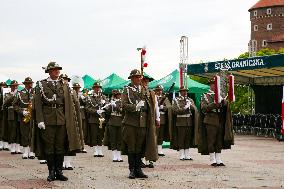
{"points": [[244, 98]]}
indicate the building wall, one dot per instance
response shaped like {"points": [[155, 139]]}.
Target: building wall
{"points": [[261, 20]]}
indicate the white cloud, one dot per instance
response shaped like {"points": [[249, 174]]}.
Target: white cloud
{"points": [[101, 37]]}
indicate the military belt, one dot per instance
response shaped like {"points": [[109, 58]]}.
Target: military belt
{"points": [[54, 105], [186, 115], [82, 107], [162, 112], [10, 107], [115, 114], [214, 111]]}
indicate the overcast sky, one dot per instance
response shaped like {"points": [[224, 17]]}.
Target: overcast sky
{"points": [[99, 37]]}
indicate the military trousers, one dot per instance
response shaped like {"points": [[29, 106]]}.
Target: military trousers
{"points": [[115, 137], [96, 135], [25, 133], [134, 138], [184, 134], [54, 139], [85, 130], [214, 138], [160, 134], [14, 132]]}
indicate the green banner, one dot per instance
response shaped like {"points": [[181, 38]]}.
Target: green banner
{"points": [[238, 64]]}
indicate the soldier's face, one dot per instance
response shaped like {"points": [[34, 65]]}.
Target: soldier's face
{"points": [[28, 85], [159, 92], [77, 89], [117, 96], [54, 73], [145, 82], [13, 87], [96, 89], [136, 80], [66, 81], [183, 93]]}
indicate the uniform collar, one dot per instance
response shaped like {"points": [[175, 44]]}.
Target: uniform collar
{"points": [[49, 79]]}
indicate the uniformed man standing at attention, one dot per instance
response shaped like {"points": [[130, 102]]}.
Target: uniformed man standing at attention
{"points": [[57, 122], [23, 105], [165, 117], [82, 100], [216, 130], [139, 127], [185, 125], [95, 103], [3, 126], [114, 125], [13, 124]]}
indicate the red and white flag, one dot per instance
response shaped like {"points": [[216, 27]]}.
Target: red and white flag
{"points": [[217, 91], [282, 129]]}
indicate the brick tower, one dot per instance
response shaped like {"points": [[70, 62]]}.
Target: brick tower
{"points": [[267, 25]]}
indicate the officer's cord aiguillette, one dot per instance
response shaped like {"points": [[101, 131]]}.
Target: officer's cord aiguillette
{"points": [[43, 95], [21, 100]]}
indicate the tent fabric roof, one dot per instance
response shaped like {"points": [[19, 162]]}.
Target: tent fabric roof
{"points": [[88, 81], [267, 3], [166, 82], [263, 70], [110, 82]]}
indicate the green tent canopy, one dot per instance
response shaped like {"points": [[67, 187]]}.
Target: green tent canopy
{"points": [[121, 85], [166, 82], [8, 82], [109, 83], [88, 81], [194, 87]]}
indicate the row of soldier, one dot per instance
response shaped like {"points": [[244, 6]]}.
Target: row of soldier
{"points": [[135, 122]]}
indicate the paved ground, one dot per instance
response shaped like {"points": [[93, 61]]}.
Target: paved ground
{"points": [[253, 162]]}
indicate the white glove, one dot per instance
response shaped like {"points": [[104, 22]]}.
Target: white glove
{"points": [[139, 105], [161, 107], [41, 125], [187, 106], [25, 112], [100, 111], [103, 101], [113, 104]]}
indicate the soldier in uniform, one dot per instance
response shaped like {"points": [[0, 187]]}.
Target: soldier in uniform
{"points": [[13, 124], [185, 124], [3, 141], [95, 103], [23, 105], [139, 131], [67, 163], [114, 125], [57, 117], [216, 130], [82, 100], [163, 103]]}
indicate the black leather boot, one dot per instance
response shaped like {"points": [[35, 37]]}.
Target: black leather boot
{"points": [[138, 171], [58, 168], [131, 163], [51, 167]]}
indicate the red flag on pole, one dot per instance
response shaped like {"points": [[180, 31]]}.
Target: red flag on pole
{"points": [[232, 88]]}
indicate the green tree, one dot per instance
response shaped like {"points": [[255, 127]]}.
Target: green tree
{"points": [[281, 51]]}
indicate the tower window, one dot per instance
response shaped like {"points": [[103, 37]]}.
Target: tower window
{"points": [[255, 13], [269, 26], [268, 11], [264, 43], [255, 27]]}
